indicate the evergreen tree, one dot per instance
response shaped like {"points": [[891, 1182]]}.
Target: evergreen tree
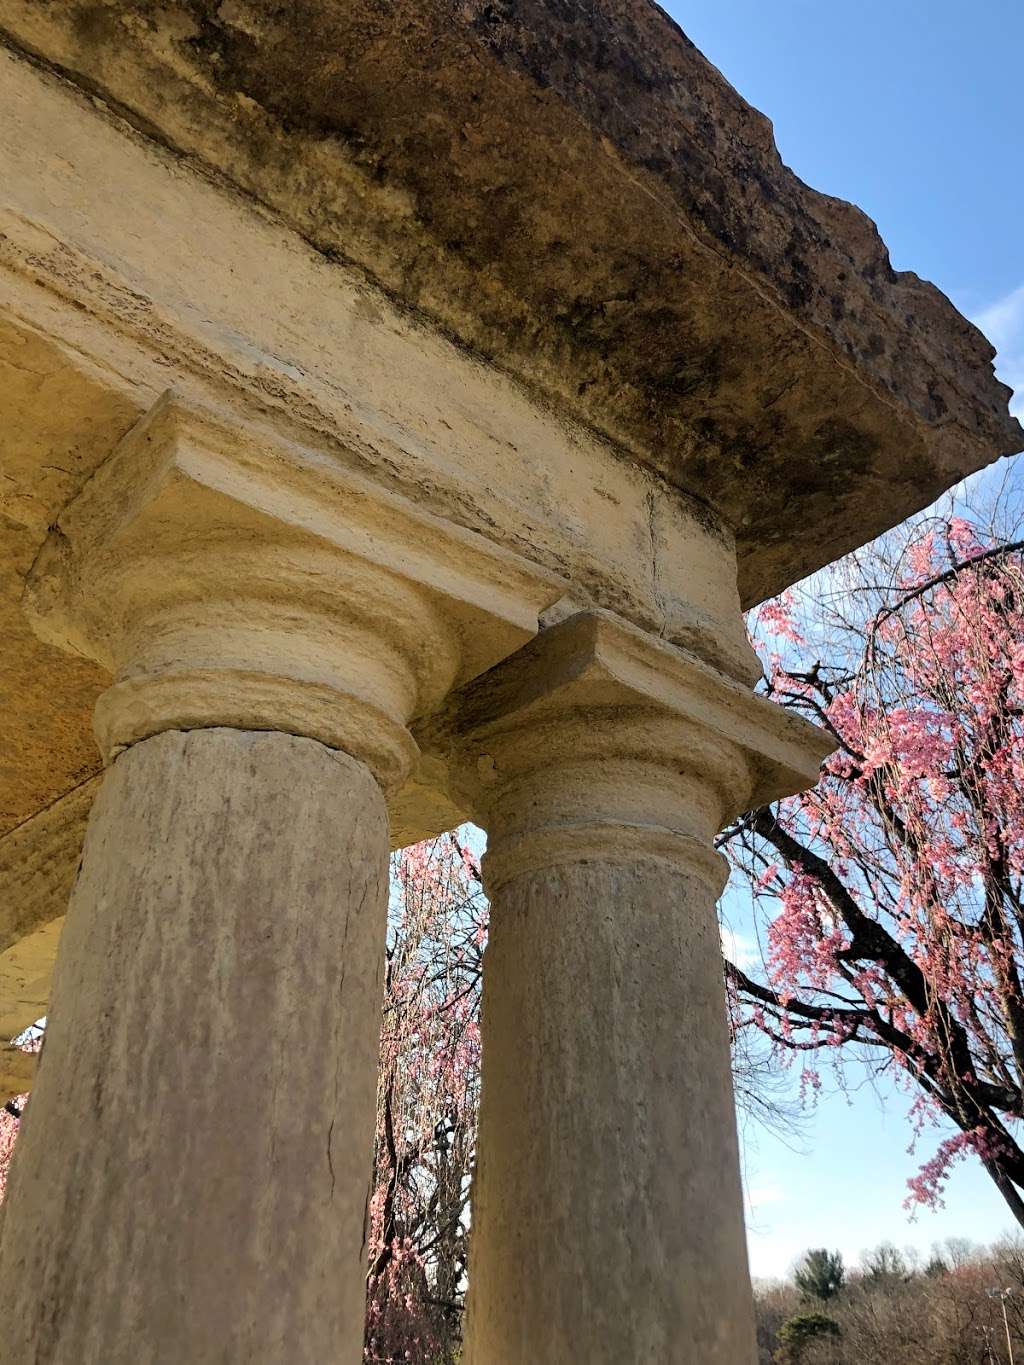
{"points": [[820, 1274], [800, 1332]]}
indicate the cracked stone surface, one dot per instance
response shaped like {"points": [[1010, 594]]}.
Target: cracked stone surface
{"points": [[576, 193]]}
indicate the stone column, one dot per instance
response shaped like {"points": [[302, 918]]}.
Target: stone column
{"points": [[192, 1178], [191, 1181], [607, 1211]]}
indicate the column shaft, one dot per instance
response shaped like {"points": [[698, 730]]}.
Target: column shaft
{"points": [[191, 1180], [607, 1215], [607, 1211]]}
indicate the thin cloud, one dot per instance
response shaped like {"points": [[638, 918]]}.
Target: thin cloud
{"points": [[739, 948], [1003, 324], [760, 1195]]}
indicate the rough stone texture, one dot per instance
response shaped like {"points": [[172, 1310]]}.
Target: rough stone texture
{"points": [[607, 1216], [443, 152], [226, 578], [26, 969], [191, 1181], [17, 1069], [38, 861], [100, 311], [575, 192], [56, 424], [46, 699]]}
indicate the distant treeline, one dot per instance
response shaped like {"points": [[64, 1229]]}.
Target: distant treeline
{"points": [[897, 1308]]}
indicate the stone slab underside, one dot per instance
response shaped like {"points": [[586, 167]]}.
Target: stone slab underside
{"points": [[537, 268], [576, 193]]}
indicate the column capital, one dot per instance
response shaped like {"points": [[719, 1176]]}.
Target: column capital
{"points": [[599, 741], [228, 576]]}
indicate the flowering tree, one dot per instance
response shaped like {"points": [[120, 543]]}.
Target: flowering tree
{"points": [[10, 1115], [890, 897], [428, 1096]]}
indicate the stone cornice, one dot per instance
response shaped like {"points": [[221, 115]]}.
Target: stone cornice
{"points": [[108, 308], [575, 193]]}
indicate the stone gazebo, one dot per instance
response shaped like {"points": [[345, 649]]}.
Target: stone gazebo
{"points": [[400, 402]]}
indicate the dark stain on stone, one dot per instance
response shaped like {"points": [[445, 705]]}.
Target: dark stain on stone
{"points": [[571, 191]]}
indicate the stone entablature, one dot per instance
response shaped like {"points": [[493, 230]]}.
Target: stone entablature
{"points": [[575, 193], [103, 311]]}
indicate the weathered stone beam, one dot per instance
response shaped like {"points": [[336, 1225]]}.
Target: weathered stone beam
{"points": [[114, 310], [38, 862], [17, 1069], [26, 969], [577, 194]]}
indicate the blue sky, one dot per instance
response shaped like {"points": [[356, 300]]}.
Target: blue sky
{"points": [[913, 110]]}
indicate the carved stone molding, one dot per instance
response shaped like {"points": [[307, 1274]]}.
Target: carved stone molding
{"points": [[597, 741], [226, 577]]}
